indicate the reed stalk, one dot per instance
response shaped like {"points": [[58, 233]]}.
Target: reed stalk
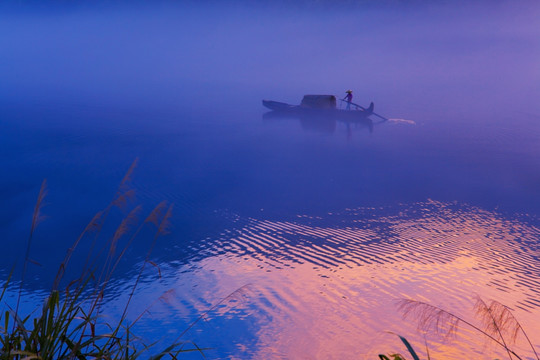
{"points": [[69, 325], [498, 324]]}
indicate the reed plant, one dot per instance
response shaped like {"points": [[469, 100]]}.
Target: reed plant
{"points": [[69, 324], [497, 324]]}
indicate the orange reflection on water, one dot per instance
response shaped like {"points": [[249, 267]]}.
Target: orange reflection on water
{"points": [[327, 314], [333, 294]]}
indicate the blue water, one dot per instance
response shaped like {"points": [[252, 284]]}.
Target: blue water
{"points": [[301, 233]]}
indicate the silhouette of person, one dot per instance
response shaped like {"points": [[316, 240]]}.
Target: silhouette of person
{"points": [[348, 99]]}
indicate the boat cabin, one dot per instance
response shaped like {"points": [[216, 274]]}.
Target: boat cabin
{"points": [[319, 101]]}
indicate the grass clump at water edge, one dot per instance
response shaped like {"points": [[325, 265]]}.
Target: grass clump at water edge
{"points": [[68, 325]]}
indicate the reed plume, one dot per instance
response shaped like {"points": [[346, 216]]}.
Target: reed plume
{"points": [[499, 325], [157, 214], [68, 324], [93, 225], [155, 217], [122, 195], [124, 227], [430, 317], [499, 320], [36, 218]]}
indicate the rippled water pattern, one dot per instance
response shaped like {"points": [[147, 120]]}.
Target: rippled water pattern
{"points": [[326, 287], [290, 238]]}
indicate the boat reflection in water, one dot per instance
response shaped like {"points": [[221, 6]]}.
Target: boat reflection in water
{"points": [[319, 113]]}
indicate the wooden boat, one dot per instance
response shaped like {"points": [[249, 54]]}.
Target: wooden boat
{"points": [[319, 113], [321, 106]]}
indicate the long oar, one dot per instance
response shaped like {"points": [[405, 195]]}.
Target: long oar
{"points": [[363, 108]]}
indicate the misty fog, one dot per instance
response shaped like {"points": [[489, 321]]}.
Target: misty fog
{"points": [[478, 56]]}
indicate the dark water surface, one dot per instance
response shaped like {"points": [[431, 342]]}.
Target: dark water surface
{"points": [[297, 237]]}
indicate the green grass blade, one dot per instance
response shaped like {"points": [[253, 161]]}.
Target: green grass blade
{"points": [[75, 349], [409, 347]]}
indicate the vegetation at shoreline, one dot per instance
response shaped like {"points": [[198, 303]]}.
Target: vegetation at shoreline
{"points": [[498, 325], [69, 324]]}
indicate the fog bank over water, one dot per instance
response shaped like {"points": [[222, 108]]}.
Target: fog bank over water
{"points": [[403, 57]]}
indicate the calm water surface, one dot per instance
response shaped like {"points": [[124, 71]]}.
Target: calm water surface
{"points": [[294, 238]]}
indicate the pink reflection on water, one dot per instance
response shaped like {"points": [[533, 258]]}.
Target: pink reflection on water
{"points": [[333, 296]]}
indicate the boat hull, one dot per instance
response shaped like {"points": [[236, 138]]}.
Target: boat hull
{"points": [[300, 111]]}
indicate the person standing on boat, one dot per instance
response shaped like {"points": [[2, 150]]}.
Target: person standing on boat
{"points": [[348, 99]]}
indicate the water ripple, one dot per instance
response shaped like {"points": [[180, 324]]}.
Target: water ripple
{"points": [[325, 287]]}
